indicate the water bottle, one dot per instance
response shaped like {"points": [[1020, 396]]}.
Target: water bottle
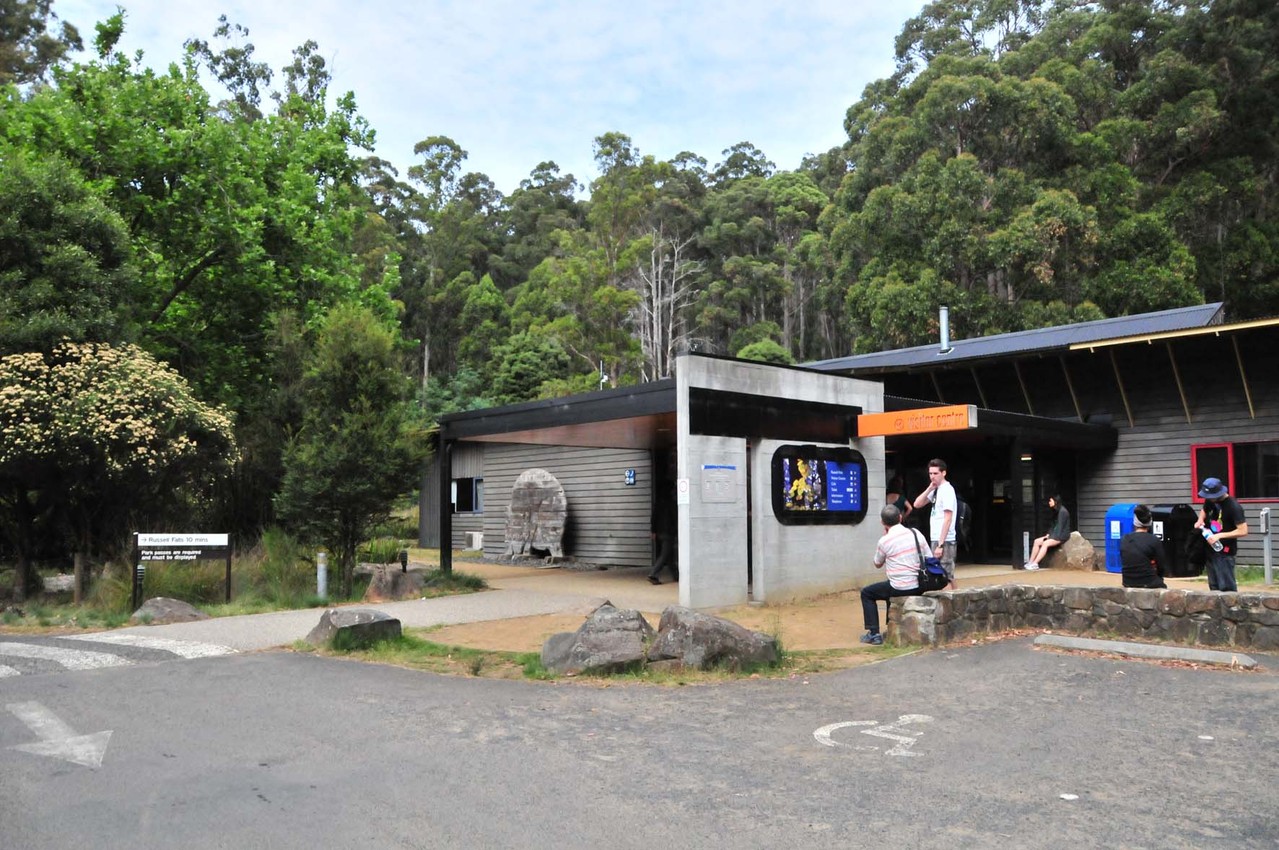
{"points": [[1216, 547]]}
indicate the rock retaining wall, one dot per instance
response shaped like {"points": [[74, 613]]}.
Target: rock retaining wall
{"points": [[1181, 616]]}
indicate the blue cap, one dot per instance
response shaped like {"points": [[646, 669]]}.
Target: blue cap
{"points": [[1212, 489]]}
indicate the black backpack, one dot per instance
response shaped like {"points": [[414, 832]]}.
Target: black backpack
{"points": [[963, 523]]}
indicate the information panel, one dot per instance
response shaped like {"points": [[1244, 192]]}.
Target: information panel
{"points": [[818, 485]]}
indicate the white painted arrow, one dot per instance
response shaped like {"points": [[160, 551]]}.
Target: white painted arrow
{"points": [[58, 740]]}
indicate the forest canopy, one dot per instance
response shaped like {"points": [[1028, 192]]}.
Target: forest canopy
{"points": [[1027, 164]]}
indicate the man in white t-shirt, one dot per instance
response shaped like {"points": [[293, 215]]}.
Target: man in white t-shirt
{"points": [[940, 493], [899, 552]]}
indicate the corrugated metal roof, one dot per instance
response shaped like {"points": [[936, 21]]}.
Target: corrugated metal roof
{"points": [[1060, 338]]}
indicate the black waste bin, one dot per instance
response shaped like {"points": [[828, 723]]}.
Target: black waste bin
{"points": [[1175, 525]]}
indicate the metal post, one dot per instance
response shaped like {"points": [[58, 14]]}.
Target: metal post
{"points": [[1265, 544], [322, 575], [444, 459], [1025, 547]]}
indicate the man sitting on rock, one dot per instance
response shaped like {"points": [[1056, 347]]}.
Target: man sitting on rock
{"points": [[900, 553]]}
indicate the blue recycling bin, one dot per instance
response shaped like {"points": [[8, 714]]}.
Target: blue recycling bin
{"points": [[1118, 523]]}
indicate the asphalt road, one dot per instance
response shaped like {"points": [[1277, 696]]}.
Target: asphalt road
{"points": [[1002, 745]]}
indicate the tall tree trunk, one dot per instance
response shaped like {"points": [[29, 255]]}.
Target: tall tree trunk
{"points": [[81, 561], [21, 577]]}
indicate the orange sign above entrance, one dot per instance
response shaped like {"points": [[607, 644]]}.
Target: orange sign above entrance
{"points": [[920, 420]]}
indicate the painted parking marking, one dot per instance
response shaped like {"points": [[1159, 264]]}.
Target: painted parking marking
{"points": [[183, 648], [904, 739], [72, 659]]}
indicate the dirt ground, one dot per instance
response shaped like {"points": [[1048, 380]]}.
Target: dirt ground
{"points": [[832, 622]]}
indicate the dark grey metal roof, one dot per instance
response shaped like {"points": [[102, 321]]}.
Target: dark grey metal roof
{"points": [[1027, 342]]}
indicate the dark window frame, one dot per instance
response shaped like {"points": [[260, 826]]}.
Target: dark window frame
{"points": [[468, 495]]}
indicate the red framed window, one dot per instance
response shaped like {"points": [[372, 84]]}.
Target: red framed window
{"points": [[1250, 470]]}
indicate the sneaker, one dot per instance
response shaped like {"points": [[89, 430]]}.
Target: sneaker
{"points": [[1032, 565], [654, 580], [875, 639]]}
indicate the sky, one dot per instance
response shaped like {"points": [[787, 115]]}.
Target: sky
{"points": [[520, 82]]}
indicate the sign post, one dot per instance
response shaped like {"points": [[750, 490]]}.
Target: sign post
{"points": [[178, 547]]}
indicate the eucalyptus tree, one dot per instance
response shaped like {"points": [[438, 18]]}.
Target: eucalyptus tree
{"points": [[1025, 153], [32, 40]]}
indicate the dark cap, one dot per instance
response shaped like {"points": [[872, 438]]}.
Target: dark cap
{"points": [[1212, 489]]}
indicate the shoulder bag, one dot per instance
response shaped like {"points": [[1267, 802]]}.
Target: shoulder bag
{"points": [[932, 575]]}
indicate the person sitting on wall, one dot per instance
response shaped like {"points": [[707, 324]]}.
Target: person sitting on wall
{"points": [[1142, 554], [1060, 534], [900, 553]]}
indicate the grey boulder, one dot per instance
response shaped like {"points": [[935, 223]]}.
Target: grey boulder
{"points": [[162, 610], [610, 641], [702, 641], [353, 628]]}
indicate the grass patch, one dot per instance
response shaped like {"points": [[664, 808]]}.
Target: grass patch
{"points": [[415, 651]]}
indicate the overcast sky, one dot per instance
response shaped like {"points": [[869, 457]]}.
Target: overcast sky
{"points": [[517, 82]]}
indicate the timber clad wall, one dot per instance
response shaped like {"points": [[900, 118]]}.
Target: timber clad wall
{"points": [[1152, 462], [468, 462], [608, 521]]}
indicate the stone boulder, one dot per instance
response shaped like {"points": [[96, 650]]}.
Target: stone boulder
{"points": [[608, 642], [1075, 554], [702, 641], [161, 610], [389, 583], [353, 628]]}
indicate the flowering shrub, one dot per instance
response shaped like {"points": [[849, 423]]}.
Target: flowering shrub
{"points": [[115, 408], [107, 434]]}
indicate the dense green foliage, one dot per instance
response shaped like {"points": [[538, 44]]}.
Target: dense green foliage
{"points": [[358, 442], [1029, 163]]}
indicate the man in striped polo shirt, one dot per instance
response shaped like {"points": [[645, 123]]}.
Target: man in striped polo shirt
{"points": [[899, 552]]}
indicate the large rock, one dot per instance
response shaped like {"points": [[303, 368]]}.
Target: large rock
{"points": [[390, 583], [536, 515], [703, 641], [608, 642], [1075, 554], [353, 628], [161, 610]]}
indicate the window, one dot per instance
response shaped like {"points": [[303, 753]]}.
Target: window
{"points": [[1250, 470], [468, 495]]}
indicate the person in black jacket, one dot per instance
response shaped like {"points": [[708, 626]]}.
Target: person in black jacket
{"points": [[1059, 534], [1142, 554]]}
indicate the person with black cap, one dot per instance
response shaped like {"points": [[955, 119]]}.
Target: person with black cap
{"points": [[1222, 520], [1142, 554]]}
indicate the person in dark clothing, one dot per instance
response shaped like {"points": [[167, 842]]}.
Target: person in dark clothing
{"points": [[1142, 554], [1060, 534], [1221, 520], [665, 539]]}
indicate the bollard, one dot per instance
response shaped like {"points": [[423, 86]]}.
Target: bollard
{"points": [[322, 575], [139, 577], [404, 560]]}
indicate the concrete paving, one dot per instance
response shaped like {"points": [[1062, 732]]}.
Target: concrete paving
{"points": [[1149, 650]]}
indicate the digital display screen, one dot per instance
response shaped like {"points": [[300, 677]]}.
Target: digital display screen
{"points": [[814, 484]]}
